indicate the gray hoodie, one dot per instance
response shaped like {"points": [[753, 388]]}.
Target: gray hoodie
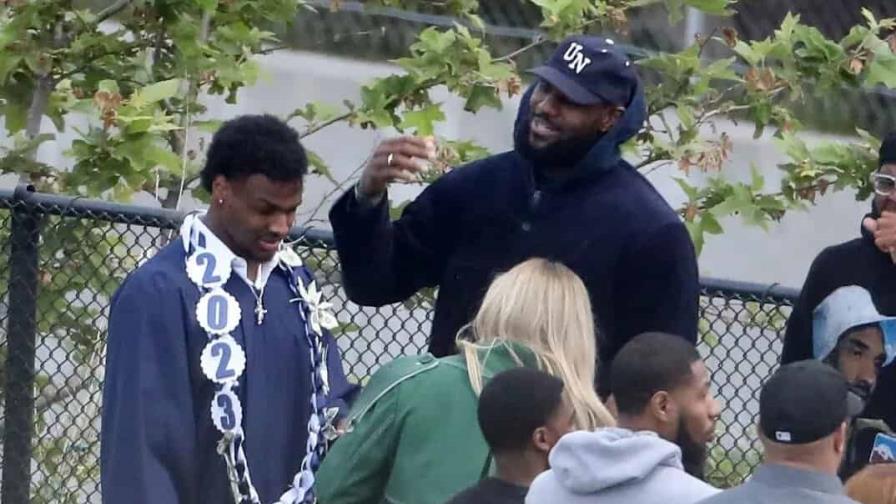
{"points": [[616, 466]]}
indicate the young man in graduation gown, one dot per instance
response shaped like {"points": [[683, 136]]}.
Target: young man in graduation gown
{"points": [[221, 378]]}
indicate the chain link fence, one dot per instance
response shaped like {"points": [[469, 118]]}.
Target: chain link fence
{"points": [[62, 259]]}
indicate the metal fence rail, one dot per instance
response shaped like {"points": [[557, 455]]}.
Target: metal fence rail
{"points": [[62, 258]]}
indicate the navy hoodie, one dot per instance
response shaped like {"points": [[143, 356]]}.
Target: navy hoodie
{"points": [[158, 442], [606, 222]]}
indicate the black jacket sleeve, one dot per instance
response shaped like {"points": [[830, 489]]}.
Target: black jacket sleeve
{"points": [[657, 287], [385, 262], [798, 336]]}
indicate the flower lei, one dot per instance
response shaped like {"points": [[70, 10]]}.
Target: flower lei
{"points": [[223, 361]]}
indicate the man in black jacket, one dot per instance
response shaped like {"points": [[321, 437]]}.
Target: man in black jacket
{"points": [[563, 193], [868, 262]]}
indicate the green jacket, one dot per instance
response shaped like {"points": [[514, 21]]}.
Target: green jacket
{"points": [[414, 436]]}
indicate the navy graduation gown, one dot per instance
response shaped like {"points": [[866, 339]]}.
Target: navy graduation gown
{"points": [[158, 443]]}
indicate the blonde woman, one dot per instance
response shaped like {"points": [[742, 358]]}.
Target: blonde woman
{"points": [[413, 435]]}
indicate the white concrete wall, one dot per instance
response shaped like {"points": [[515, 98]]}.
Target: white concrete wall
{"points": [[290, 79]]}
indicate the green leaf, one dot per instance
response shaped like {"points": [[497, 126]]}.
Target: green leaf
{"points": [[695, 230], [745, 50], [108, 85], [869, 17], [785, 32], [686, 116], [156, 92], [676, 11], [482, 96], [882, 70], [793, 146], [721, 69], [714, 7], [15, 116], [691, 191], [137, 124], [319, 166], [423, 120], [165, 158], [208, 5], [434, 40], [208, 126], [757, 181], [709, 224]]}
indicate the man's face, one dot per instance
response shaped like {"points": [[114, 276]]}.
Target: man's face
{"points": [[257, 213], [860, 356], [886, 203], [556, 120], [698, 412]]}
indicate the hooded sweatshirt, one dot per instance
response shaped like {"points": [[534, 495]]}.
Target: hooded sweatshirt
{"points": [[604, 220], [616, 466], [856, 262]]}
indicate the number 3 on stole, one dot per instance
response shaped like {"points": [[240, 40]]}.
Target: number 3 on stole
{"points": [[228, 419]]}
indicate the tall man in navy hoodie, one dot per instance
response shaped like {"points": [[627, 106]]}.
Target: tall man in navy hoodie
{"points": [[563, 193], [221, 377]]}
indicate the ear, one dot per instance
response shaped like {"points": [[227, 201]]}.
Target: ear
{"points": [[840, 439], [611, 405], [221, 189], [609, 118], [661, 406], [543, 440]]}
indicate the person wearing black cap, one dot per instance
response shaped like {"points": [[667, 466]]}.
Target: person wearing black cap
{"points": [[804, 409], [563, 193], [866, 262]]}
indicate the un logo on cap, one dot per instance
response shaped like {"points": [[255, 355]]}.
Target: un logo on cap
{"points": [[576, 59]]}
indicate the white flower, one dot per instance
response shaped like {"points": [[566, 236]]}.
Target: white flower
{"points": [[289, 257], [320, 315]]}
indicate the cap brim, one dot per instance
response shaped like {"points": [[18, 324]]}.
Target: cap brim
{"points": [[854, 404], [569, 87]]}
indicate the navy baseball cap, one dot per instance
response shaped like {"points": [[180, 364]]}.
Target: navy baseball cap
{"points": [[590, 70], [805, 401]]}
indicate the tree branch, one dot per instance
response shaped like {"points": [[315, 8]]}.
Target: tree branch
{"points": [[329, 122], [539, 40], [337, 188], [649, 160], [271, 50], [112, 10]]}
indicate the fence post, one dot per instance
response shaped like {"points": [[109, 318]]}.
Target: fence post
{"points": [[21, 339]]}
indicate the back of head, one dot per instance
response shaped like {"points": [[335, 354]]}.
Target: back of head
{"points": [[649, 363], [544, 306], [254, 144], [803, 410], [514, 404], [875, 484]]}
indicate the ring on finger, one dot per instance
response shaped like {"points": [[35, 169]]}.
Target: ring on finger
{"points": [[389, 159]]}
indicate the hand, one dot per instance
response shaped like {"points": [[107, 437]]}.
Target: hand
{"points": [[884, 231], [400, 158]]}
